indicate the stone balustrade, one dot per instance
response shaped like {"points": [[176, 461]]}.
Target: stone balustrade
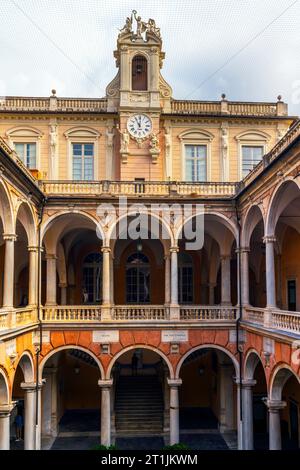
{"points": [[18, 103], [135, 188], [276, 319], [208, 313], [254, 315], [16, 318], [233, 108], [71, 314], [140, 312]]}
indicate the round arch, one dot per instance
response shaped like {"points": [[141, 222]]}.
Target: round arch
{"points": [[27, 218], [71, 346], [222, 219], [49, 222], [159, 219], [279, 377], [284, 193], [26, 363], [206, 346], [4, 388], [138, 346], [253, 216], [6, 209], [252, 360]]}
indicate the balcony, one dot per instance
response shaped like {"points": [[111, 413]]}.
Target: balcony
{"points": [[137, 188], [275, 319]]}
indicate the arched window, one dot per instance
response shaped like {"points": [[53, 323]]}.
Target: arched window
{"points": [[139, 73], [92, 279], [185, 279], [137, 279]]}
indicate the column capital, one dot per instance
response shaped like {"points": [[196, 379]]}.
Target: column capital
{"points": [[174, 249], [174, 382], [5, 410], [274, 406], [33, 249], [269, 239], [105, 383], [50, 256], [31, 386], [248, 383], [225, 257], [105, 249], [9, 237], [243, 249]]}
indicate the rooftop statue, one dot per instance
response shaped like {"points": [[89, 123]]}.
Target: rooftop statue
{"points": [[141, 27]]}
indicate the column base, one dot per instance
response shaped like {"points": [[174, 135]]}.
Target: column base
{"points": [[174, 312], [106, 313]]}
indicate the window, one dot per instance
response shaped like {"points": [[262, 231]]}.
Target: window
{"points": [[83, 161], [92, 285], [27, 153], [251, 156], [185, 279], [137, 279], [139, 73], [291, 294], [196, 163]]}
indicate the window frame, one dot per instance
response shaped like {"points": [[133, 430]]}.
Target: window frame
{"points": [[25, 153], [83, 135], [82, 159], [27, 135], [250, 138], [196, 137]]}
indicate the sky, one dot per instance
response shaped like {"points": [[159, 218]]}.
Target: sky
{"points": [[247, 49]]}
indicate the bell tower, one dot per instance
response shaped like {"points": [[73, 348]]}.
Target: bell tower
{"points": [[139, 94]]}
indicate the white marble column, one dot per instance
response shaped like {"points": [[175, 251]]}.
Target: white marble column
{"points": [[270, 271], [51, 280], [5, 411], [112, 294], [226, 398], [211, 287], [105, 386], [225, 280], [63, 293], [32, 283], [29, 415], [174, 384], [174, 307], [274, 408], [247, 399], [106, 275], [9, 265], [167, 279], [244, 257]]}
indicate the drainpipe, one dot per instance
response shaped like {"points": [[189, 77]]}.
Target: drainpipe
{"points": [[238, 348], [39, 348]]}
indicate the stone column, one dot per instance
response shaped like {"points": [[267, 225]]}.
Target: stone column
{"points": [[247, 398], [32, 283], [225, 280], [38, 423], [270, 271], [51, 279], [49, 405], [274, 407], [174, 307], [166, 401], [211, 287], [5, 411], [112, 294], [244, 257], [105, 411], [9, 265], [174, 410], [226, 398], [167, 279], [29, 415], [106, 288], [63, 293]]}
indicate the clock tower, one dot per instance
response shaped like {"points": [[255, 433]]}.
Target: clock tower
{"points": [[139, 94]]}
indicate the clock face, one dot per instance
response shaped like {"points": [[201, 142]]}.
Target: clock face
{"points": [[139, 125]]}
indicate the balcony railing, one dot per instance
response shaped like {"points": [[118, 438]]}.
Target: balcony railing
{"points": [[276, 319], [233, 108], [15, 318], [71, 314], [140, 312], [138, 188], [208, 313]]}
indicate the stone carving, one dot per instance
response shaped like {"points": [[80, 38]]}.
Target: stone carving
{"points": [[154, 146], [224, 151], [141, 27], [53, 140], [125, 138], [110, 137]]}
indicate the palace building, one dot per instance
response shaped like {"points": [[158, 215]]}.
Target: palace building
{"points": [[109, 335]]}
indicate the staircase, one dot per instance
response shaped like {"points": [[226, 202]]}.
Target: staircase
{"points": [[139, 405]]}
